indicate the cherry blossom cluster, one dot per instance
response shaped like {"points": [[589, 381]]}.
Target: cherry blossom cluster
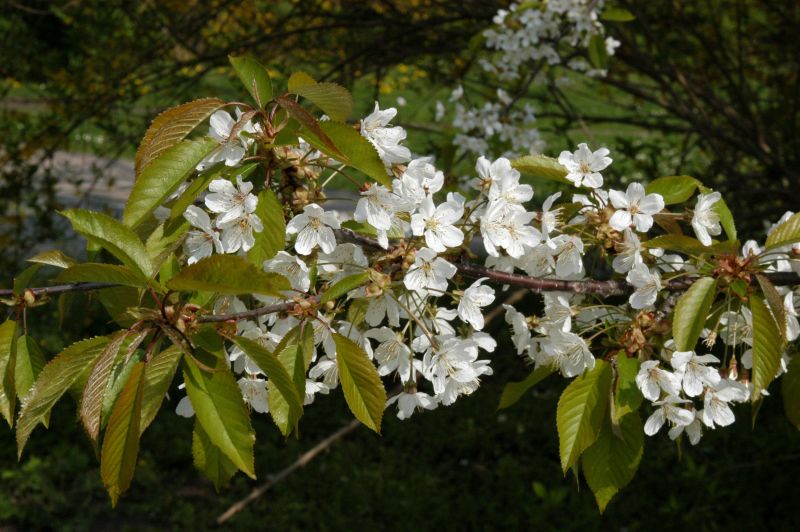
{"points": [[523, 36], [422, 325]]}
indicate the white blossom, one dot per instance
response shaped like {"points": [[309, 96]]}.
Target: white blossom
{"points": [[475, 297], [584, 166], [408, 403], [203, 243], [254, 391], [375, 128], [696, 375], [229, 201], [429, 273], [314, 227], [705, 220], [668, 410], [634, 207], [651, 380], [647, 283], [436, 223]]}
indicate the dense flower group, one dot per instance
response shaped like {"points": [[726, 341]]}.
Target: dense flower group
{"points": [[425, 331]]}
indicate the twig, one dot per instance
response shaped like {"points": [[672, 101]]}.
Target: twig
{"points": [[302, 461], [538, 284], [60, 288]]}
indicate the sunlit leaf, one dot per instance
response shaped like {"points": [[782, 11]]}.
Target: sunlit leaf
{"points": [[674, 189], [102, 273], [786, 233], [171, 127], [30, 362], [8, 363], [209, 460], [691, 312], [228, 274], [541, 166], [116, 238], [221, 411], [254, 77], [581, 411], [627, 396], [55, 379], [362, 386], [611, 462], [344, 285], [158, 375], [767, 346], [163, 176], [121, 440], [280, 381]]}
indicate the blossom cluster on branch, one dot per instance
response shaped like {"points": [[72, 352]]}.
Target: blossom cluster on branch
{"points": [[230, 264]]}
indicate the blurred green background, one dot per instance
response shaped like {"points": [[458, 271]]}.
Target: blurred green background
{"points": [[710, 89]]}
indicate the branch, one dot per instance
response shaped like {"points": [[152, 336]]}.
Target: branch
{"points": [[271, 309], [606, 288], [301, 461], [60, 288]]}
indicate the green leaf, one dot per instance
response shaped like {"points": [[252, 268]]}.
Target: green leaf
{"points": [[362, 386], [299, 80], [674, 189], [221, 411], [294, 352], [690, 246], [344, 285], [116, 383], [514, 391], [254, 77], [92, 398], [617, 14], [116, 238], [53, 258], [353, 150], [30, 361], [767, 346], [581, 411], [159, 373], [163, 176], [775, 302], [172, 126], [8, 363], [691, 312], [117, 301], [334, 100], [280, 382], [786, 233], [55, 379], [541, 166], [725, 218], [228, 274], [102, 273], [598, 55], [165, 240], [611, 462], [272, 239], [627, 396], [23, 280], [121, 441], [790, 390], [313, 131], [209, 460]]}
